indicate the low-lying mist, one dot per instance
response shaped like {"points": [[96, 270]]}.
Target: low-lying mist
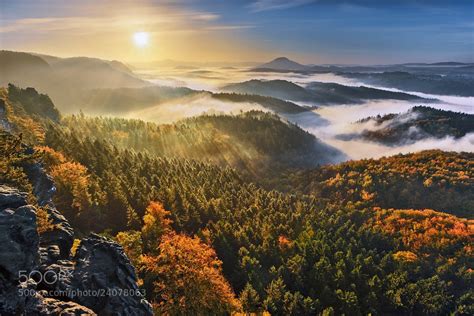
{"points": [[341, 120], [181, 108], [327, 124], [357, 149]]}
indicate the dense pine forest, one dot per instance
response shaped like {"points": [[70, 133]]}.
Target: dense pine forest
{"points": [[254, 142], [379, 236]]}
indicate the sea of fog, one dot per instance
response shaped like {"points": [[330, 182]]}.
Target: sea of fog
{"points": [[330, 121]]}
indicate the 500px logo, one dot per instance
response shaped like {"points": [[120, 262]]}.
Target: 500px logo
{"points": [[48, 277]]}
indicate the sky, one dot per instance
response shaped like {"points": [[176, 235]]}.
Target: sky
{"points": [[309, 31]]}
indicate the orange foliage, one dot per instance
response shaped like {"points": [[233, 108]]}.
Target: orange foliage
{"points": [[421, 229], [51, 157], [284, 242], [366, 196], [188, 278]]}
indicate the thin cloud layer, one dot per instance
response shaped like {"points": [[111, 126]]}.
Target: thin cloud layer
{"points": [[267, 5]]}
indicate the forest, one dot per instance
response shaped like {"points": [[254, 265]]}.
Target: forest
{"points": [[254, 142], [317, 92], [449, 83], [381, 236], [428, 179]]}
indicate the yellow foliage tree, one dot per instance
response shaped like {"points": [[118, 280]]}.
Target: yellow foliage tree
{"points": [[132, 244], [72, 183], [156, 223], [405, 256]]}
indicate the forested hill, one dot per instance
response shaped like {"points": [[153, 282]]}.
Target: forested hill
{"points": [[253, 142], [64, 79], [419, 123], [428, 179], [316, 92], [121, 101], [240, 248], [349, 94], [457, 84], [273, 104]]}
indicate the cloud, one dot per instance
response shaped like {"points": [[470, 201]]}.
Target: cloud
{"points": [[228, 27], [267, 5], [163, 19]]}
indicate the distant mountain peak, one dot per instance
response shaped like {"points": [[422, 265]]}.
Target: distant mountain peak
{"points": [[281, 59], [283, 63]]}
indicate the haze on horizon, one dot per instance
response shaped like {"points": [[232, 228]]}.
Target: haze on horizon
{"points": [[359, 31]]}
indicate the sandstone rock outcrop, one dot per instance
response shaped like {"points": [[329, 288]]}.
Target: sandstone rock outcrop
{"points": [[18, 250], [38, 276]]}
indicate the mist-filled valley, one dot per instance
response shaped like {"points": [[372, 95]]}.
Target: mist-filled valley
{"points": [[326, 103]]}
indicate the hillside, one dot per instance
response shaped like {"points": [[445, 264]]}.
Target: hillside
{"points": [[253, 142], [266, 240], [338, 93], [32, 102], [428, 179], [432, 83], [418, 123], [63, 78], [94, 73], [22, 68], [280, 89], [127, 100], [273, 104], [316, 92]]}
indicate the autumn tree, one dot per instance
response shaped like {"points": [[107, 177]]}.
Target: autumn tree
{"points": [[12, 160], [72, 182], [156, 223], [188, 279], [132, 244]]}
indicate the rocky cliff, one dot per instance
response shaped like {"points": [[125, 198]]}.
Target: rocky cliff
{"points": [[38, 274]]}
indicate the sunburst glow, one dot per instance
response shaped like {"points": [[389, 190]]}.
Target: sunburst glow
{"points": [[141, 39]]}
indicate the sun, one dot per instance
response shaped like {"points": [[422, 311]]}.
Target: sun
{"points": [[141, 39]]}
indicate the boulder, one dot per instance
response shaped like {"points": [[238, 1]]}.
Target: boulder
{"points": [[18, 251], [45, 280], [43, 184], [11, 198], [43, 188], [101, 264], [19, 239]]}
